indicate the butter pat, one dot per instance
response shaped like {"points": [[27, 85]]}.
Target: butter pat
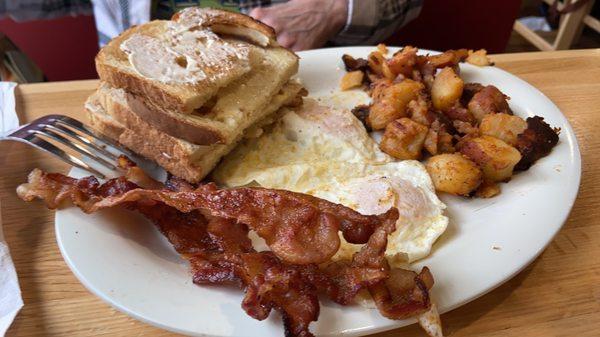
{"points": [[152, 59], [185, 55]]}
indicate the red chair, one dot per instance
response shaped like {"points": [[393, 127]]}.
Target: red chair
{"points": [[453, 24], [63, 48]]}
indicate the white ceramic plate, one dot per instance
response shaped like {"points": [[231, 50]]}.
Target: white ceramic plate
{"points": [[125, 261]]}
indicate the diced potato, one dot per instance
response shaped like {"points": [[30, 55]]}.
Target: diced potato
{"points": [[488, 100], [496, 158], [465, 128], [441, 60], [419, 110], [403, 139], [352, 79], [389, 103], [431, 142], [445, 141], [378, 87], [478, 58], [445, 144], [387, 72], [488, 189], [453, 173], [403, 62], [379, 65], [449, 58], [503, 126], [371, 77], [382, 48], [375, 60], [447, 89]]}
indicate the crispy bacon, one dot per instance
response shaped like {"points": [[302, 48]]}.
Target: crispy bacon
{"points": [[535, 142], [457, 112], [298, 228], [362, 112], [469, 90], [136, 175], [219, 250], [352, 64], [488, 100], [342, 280], [403, 294], [228, 256], [273, 284]]}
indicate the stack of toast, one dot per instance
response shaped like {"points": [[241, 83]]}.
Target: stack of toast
{"points": [[185, 91]]}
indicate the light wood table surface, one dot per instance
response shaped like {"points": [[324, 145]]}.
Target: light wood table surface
{"points": [[557, 295]]}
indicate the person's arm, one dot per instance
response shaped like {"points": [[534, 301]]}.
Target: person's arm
{"points": [[372, 21], [307, 24]]}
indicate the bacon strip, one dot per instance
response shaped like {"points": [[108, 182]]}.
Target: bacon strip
{"points": [[298, 228], [535, 142], [403, 293], [219, 250]]}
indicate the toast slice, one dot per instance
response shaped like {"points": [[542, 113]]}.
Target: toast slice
{"points": [[180, 64], [235, 107], [181, 158], [225, 22]]}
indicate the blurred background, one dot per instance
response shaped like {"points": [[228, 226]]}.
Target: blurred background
{"points": [[62, 46]]}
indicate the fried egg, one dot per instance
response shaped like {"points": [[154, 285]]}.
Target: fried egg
{"points": [[326, 152]]}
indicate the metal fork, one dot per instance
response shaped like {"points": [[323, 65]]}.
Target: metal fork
{"points": [[62, 129]]}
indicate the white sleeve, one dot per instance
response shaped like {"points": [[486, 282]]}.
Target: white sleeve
{"points": [[114, 16]]}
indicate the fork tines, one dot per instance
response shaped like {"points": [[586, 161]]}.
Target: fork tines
{"points": [[72, 134]]}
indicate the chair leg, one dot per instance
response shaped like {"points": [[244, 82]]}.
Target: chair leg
{"points": [[533, 37], [571, 26], [592, 22]]}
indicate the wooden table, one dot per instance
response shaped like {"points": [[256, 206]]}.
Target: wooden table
{"points": [[558, 295]]}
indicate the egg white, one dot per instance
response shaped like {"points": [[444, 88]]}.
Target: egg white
{"points": [[327, 153]]}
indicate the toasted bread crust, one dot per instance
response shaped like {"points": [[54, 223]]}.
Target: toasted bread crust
{"points": [[188, 161], [216, 17], [163, 149], [112, 131], [181, 97], [140, 86], [132, 81], [170, 124]]}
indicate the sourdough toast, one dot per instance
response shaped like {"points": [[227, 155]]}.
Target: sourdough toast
{"points": [[180, 64], [234, 107], [186, 160]]}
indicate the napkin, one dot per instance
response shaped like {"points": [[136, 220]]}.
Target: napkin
{"points": [[10, 293], [8, 114]]}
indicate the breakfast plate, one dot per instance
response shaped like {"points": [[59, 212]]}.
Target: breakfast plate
{"points": [[124, 260]]}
